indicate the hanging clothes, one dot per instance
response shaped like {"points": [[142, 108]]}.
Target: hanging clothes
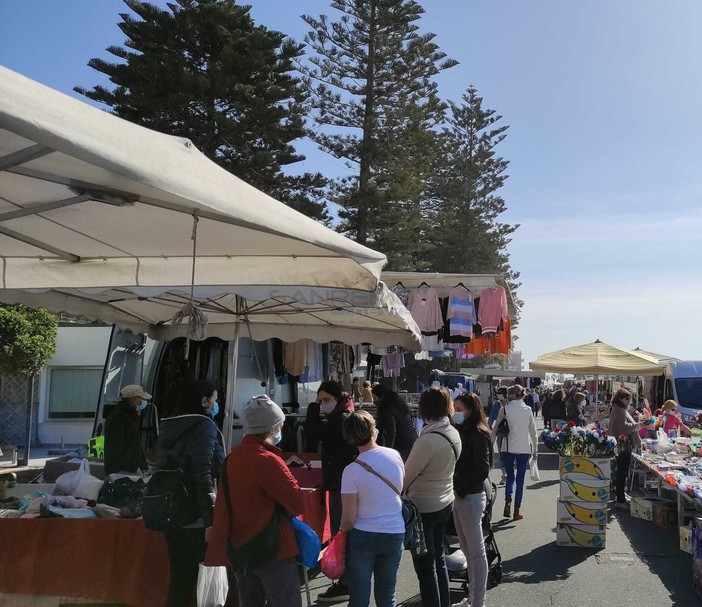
{"points": [[392, 364], [461, 314], [314, 370], [295, 357], [425, 308], [493, 308], [402, 293]]}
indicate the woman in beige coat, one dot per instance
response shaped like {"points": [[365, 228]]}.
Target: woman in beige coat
{"points": [[622, 424]]}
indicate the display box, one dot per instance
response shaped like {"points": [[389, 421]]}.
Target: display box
{"points": [[581, 536], [642, 507], [686, 539], [56, 467], [576, 487], [665, 514], [599, 468], [581, 513]]}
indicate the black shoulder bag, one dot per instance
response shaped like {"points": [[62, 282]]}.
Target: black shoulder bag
{"points": [[260, 549]]}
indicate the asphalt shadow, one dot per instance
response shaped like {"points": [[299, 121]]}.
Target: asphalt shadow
{"points": [[547, 563]]}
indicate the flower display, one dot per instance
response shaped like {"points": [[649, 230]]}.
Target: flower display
{"points": [[572, 440]]}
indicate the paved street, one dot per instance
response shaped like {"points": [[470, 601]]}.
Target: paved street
{"points": [[640, 565]]}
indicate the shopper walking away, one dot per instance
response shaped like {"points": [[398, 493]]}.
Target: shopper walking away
{"points": [[191, 441], [558, 409], [546, 410], [622, 424], [472, 469], [517, 447], [372, 514], [260, 487], [429, 483], [336, 405], [498, 406], [395, 426]]}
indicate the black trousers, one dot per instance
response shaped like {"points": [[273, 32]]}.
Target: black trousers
{"points": [[623, 463], [186, 550]]}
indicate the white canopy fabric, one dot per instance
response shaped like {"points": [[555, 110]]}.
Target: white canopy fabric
{"points": [[598, 358], [350, 316], [91, 201]]}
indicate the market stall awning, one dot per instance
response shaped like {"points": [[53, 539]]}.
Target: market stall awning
{"points": [[348, 316], [443, 283], [598, 358], [89, 201]]}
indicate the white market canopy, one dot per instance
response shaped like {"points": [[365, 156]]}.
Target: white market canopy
{"points": [[89, 201], [598, 358], [444, 282]]}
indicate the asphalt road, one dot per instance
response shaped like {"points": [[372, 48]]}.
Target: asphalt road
{"points": [[641, 564]]}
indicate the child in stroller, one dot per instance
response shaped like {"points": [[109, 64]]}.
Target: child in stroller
{"points": [[456, 560]]}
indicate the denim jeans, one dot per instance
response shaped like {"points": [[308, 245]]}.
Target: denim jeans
{"points": [[431, 568], [373, 555], [275, 584], [522, 462], [468, 515]]}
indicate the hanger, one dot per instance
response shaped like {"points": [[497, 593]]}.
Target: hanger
{"points": [[460, 284], [399, 284], [423, 284]]}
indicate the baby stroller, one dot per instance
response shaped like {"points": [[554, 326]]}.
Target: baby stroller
{"points": [[457, 566]]}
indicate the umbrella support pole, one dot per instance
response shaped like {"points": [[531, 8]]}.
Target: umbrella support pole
{"points": [[231, 388]]}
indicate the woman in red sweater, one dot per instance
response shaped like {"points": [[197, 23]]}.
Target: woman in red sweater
{"points": [[259, 482]]}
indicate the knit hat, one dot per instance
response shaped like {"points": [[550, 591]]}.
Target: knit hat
{"points": [[261, 415]]}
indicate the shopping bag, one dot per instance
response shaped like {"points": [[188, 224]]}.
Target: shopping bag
{"points": [[80, 483], [534, 469], [212, 586], [307, 542], [334, 557]]}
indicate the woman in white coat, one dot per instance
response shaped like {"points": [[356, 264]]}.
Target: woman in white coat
{"points": [[518, 446]]}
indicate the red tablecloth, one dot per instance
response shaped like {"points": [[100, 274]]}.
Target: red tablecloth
{"points": [[106, 560]]}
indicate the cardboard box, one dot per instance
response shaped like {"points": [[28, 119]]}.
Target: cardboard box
{"points": [[581, 513], [665, 514], [581, 536], [642, 507], [686, 539], [56, 467], [599, 468], [580, 488]]}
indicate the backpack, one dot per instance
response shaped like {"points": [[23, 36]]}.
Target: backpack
{"points": [[167, 501]]}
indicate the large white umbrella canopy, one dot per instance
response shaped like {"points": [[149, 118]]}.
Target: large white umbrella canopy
{"points": [[91, 201], [598, 358]]}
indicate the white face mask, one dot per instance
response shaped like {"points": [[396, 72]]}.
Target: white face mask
{"points": [[327, 407]]}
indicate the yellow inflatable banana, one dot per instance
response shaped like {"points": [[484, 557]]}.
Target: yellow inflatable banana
{"points": [[583, 466], [584, 538], [589, 516], [587, 493]]}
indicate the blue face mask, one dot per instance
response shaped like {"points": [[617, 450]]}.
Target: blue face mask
{"points": [[276, 438], [215, 409], [142, 405], [458, 417]]}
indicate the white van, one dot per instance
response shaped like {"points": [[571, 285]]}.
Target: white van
{"points": [[682, 382]]}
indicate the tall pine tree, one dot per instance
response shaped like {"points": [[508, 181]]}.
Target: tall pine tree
{"points": [[375, 101], [204, 70], [468, 236]]}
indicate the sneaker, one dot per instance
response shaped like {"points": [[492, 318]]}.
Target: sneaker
{"points": [[336, 593], [622, 505], [463, 603]]}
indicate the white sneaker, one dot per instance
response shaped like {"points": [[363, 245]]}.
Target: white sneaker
{"points": [[463, 603]]}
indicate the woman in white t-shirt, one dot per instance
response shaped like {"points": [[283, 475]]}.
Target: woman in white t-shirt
{"points": [[372, 514]]}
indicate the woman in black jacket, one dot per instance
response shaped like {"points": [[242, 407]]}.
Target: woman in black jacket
{"points": [[192, 442], [395, 427], [472, 469]]}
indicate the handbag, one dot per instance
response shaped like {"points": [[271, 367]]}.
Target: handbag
{"points": [[415, 541], [307, 542], [260, 549], [167, 502]]}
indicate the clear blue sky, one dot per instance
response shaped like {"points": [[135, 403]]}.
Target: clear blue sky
{"points": [[603, 103]]}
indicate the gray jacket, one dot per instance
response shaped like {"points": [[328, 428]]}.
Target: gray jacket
{"points": [[620, 422]]}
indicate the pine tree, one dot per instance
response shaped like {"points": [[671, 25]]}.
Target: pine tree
{"points": [[205, 71], [375, 101], [468, 236]]}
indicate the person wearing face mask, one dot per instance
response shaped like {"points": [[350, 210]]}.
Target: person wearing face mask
{"points": [[621, 423], [336, 405], [124, 452], [191, 441], [395, 424], [259, 484]]}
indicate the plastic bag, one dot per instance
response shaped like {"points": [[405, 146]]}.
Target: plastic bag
{"points": [[307, 542], [80, 483], [212, 586], [534, 470], [334, 557]]}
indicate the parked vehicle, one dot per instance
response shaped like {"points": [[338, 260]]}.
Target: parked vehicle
{"points": [[681, 382]]}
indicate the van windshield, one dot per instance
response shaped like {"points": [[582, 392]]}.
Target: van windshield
{"points": [[689, 391]]}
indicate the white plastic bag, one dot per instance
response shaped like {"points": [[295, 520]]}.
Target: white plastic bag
{"points": [[534, 469], [80, 483], [212, 586]]}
